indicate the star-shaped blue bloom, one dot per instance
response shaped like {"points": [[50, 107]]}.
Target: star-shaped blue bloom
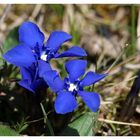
{"points": [[32, 54], [73, 85], [33, 48]]}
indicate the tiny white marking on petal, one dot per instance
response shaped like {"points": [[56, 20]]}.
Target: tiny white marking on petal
{"points": [[44, 56], [72, 87], [33, 51]]}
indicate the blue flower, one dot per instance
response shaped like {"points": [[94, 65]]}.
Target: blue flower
{"points": [[31, 76], [73, 85], [32, 47]]}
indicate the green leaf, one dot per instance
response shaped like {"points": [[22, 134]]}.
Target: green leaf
{"points": [[82, 126], [11, 40], [1, 61], [58, 9], [7, 131]]}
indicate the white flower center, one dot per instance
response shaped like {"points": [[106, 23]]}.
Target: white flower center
{"points": [[72, 87], [43, 56]]}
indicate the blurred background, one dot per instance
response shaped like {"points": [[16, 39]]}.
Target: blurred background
{"points": [[110, 36]]}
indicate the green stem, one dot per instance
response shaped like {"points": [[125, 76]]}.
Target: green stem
{"points": [[46, 120]]}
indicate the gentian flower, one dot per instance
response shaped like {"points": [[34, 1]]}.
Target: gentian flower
{"points": [[73, 85], [31, 76], [32, 53], [33, 48]]}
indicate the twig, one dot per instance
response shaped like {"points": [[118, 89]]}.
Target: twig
{"points": [[122, 63], [37, 120], [36, 10], [5, 13], [17, 21], [117, 84], [118, 122], [115, 62]]}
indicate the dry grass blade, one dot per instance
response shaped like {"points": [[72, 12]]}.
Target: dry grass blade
{"points": [[36, 10], [138, 31], [118, 122], [115, 62], [5, 13]]}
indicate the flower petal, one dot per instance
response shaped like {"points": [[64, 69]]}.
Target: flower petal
{"points": [[65, 102], [74, 51], [27, 77], [38, 84], [91, 99], [30, 34], [43, 67], [33, 86], [53, 80], [91, 78], [56, 39], [21, 55], [75, 68], [26, 73], [26, 84]]}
